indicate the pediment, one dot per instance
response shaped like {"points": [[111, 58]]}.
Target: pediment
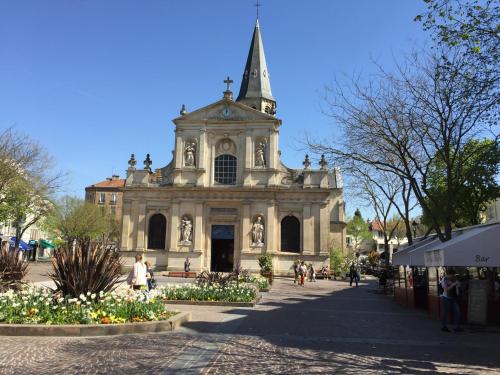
{"points": [[225, 110]]}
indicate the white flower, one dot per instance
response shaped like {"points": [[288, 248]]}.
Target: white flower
{"points": [[72, 300], [88, 293], [54, 307], [82, 297], [93, 296]]}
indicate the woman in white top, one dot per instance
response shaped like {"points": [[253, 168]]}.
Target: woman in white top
{"points": [[139, 279]]}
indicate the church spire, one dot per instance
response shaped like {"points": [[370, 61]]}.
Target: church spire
{"points": [[255, 88]]}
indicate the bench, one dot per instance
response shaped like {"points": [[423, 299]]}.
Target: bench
{"points": [[319, 275], [182, 274]]}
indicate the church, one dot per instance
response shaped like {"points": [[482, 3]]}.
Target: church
{"points": [[226, 197]]}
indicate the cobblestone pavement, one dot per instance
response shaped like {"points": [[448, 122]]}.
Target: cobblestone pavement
{"points": [[325, 327]]}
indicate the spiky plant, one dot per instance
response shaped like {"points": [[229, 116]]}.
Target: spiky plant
{"points": [[89, 269], [12, 269]]}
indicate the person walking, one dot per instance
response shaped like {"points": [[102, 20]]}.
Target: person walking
{"points": [[353, 274], [139, 280], [296, 267], [312, 273], [450, 286], [302, 272], [187, 266]]}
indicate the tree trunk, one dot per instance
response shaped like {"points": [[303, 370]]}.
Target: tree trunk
{"points": [[386, 252]]}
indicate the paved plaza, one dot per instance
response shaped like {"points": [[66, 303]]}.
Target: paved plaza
{"points": [[324, 327]]}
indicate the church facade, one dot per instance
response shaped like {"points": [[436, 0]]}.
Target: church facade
{"points": [[226, 198]]}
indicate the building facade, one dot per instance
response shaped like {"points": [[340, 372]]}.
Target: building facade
{"points": [[107, 194], [226, 198]]}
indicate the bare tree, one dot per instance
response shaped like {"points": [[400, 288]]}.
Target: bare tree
{"points": [[401, 122], [380, 192]]}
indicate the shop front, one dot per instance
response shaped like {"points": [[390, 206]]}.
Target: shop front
{"points": [[473, 253]]}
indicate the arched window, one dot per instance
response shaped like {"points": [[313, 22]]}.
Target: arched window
{"points": [[225, 169], [157, 232], [290, 234]]}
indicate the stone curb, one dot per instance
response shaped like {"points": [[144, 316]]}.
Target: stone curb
{"points": [[213, 303], [95, 329]]}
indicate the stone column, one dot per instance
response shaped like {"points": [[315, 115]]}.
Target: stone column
{"points": [[307, 231], [246, 228], [141, 226], [198, 228], [174, 227], [125, 245]]}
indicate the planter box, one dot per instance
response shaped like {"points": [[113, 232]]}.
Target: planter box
{"points": [[213, 303], [94, 329]]}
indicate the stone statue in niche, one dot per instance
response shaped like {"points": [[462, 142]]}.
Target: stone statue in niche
{"points": [[190, 153], [258, 232], [260, 154], [186, 230]]}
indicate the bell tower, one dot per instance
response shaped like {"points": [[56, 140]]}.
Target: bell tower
{"points": [[255, 90]]}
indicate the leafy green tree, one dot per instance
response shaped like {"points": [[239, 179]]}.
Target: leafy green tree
{"points": [[25, 203], [336, 261], [358, 229], [476, 184], [468, 24], [83, 222]]}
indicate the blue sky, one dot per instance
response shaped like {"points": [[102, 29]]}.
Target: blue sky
{"points": [[97, 80]]}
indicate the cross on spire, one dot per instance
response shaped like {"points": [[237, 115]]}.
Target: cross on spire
{"points": [[257, 5], [228, 81]]}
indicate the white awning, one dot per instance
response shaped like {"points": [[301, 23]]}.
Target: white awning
{"points": [[405, 256], [476, 247]]}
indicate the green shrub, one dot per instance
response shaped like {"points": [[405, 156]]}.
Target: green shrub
{"points": [[265, 263]]}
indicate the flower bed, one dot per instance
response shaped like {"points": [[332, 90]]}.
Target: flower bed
{"points": [[34, 305], [261, 282], [192, 292]]}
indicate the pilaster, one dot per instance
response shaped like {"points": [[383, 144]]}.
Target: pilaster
{"points": [[324, 230], [125, 245], [134, 215], [198, 228], [141, 226], [174, 227], [270, 227], [307, 230], [246, 228]]}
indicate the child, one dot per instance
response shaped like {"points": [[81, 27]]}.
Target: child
{"points": [[150, 276]]}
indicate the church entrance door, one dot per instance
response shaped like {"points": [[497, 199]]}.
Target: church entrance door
{"points": [[222, 248]]}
